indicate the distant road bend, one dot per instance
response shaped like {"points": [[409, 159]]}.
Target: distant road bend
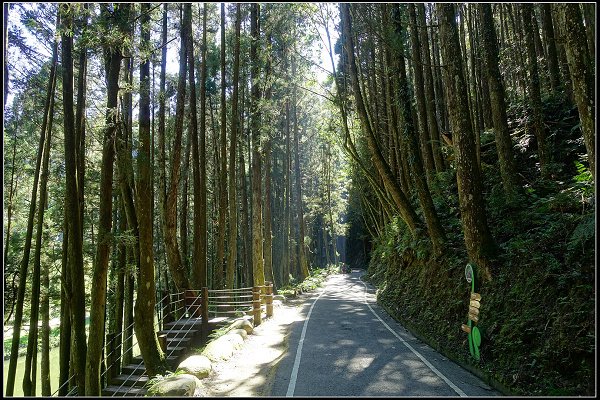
{"points": [[348, 346]]}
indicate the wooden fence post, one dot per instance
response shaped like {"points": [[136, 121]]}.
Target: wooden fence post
{"points": [[256, 310], [162, 340], [112, 358], [269, 299], [204, 304], [166, 309]]}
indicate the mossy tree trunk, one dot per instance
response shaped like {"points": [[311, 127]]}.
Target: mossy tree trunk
{"points": [[233, 206], [581, 70], [153, 356], [478, 239], [504, 143]]}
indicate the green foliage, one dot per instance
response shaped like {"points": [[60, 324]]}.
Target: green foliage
{"points": [[537, 312]]}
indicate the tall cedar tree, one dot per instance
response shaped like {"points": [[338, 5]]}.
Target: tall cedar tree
{"points": [[400, 200], [411, 148], [233, 207], [154, 360], [29, 377], [98, 292], [581, 70], [534, 89], [302, 262], [199, 268], [258, 272], [75, 248], [176, 266], [478, 239], [12, 366], [504, 144], [218, 279]]}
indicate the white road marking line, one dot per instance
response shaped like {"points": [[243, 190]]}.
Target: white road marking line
{"points": [[294, 376], [431, 367]]}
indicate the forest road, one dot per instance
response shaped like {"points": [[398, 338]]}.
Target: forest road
{"points": [[349, 346]]}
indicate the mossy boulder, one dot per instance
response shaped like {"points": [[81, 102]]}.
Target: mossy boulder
{"points": [[242, 323], [223, 347], [197, 365], [241, 332], [183, 385]]}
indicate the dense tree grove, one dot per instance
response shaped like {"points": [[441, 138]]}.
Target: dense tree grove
{"points": [[159, 147]]}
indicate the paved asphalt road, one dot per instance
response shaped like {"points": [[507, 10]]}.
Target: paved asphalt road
{"points": [[349, 346]]}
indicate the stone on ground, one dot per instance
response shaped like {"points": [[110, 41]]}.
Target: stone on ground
{"points": [[177, 385], [241, 332], [223, 347], [242, 323], [197, 365]]}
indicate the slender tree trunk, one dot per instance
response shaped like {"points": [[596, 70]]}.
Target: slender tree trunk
{"points": [[75, 249], [478, 239], [11, 192], [255, 121], [233, 207], [581, 70], [412, 154], [589, 15], [550, 41], [199, 269], [162, 184], [176, 266], [221, 261], [407, 213], [302, 263], [80, 117], [45, 331], [65, 313], [29, 377], [561, 54], [287, 192], [193, 134], [98, 294], [423, 123], [154, 360], [428, 83], [504, 143], [268, 231], [28, 238], [534, 90], [184, 182]]}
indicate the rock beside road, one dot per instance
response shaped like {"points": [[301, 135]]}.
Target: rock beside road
{"points": [[197, 365], [177, 385]]}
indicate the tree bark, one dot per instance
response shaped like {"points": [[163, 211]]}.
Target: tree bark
{"points": [[411, 150], [75, 249], [550, 41], [504, 143], [255, 122], [233, 206], [534, 90], [478, 239], [423, 123], [221, 261], [98, 293], [407, 213], [154, 360], [199, 268], [428, 83], [176, 266], [302, 263], [29, 377], [581, 70]]}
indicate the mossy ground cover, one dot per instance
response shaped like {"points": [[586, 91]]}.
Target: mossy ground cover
{"points": [[537, 315]]}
